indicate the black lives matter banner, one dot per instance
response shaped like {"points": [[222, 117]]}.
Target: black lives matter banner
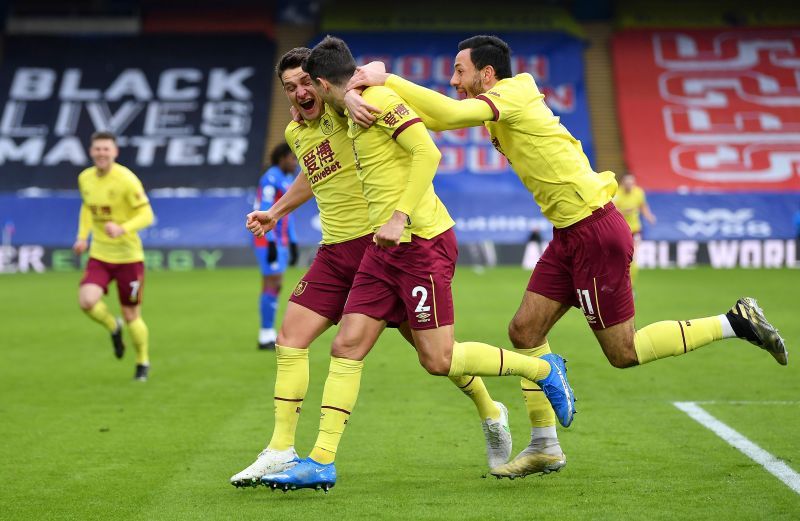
{"points": [[188, 110]]}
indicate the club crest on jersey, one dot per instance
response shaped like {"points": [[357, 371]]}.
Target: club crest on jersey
{"points": [[300, 288], [326, 124]]}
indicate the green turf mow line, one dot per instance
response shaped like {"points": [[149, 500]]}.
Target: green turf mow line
{"points": [[772, 464]]}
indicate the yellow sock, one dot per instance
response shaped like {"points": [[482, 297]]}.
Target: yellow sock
{"points": [[474, 388], [291, 386], [140, 336], [673, 338], [338, 399], [477, 359], [540, 412], [100, 313]]}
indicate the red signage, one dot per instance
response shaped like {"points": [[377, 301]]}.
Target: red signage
{"points": [[711, 109]]}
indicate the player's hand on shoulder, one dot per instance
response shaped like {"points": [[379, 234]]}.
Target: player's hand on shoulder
{"points": [[113, 229], [360, 111], [80, 246], [369, 75]]}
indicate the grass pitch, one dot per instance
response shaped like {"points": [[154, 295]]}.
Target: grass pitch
{"points": [[81, 440]]}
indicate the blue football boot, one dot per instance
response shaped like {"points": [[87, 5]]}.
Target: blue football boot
{"points": [[306, 474], [557, 389]]}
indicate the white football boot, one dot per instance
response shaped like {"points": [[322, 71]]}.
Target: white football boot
{"points": [[542, 456], [268, 462], [498, 438]]}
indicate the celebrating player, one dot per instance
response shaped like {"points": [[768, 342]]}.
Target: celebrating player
{"points": [[329, 173], [587, 263], [278, 247], [631, 202], [114, 208], [405, 275]]}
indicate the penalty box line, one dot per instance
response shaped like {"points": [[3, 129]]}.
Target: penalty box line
{"points": [[772, 464]]}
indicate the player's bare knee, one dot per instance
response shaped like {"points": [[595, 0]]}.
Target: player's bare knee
{"points": [[347, 347], [292, 340], [87, 302], [521, 335], [437, 366], [130, 314]]}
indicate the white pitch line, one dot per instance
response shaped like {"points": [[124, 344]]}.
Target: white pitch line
{"points": [[773, 465]]}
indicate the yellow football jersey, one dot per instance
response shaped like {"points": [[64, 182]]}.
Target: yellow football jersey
{"points": [[546, 157], [325, 154], [630, 205], [384, 166], [115, 197]]}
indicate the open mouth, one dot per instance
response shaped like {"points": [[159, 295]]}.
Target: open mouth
{"points": [[307, 105]]}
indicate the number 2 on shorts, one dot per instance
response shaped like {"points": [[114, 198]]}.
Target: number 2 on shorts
{"points": [[421, 307]]}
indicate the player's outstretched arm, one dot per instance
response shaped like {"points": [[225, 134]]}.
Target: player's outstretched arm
{"points": [[296, 195], [450, 112], [444, 113], [262, 221]]}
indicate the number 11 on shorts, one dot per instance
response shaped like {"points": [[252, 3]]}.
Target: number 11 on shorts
{"points": [[585, 300]]}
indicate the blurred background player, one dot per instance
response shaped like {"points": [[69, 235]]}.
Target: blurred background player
{"points": [[277, 248], [114, 207], [631, 202]]}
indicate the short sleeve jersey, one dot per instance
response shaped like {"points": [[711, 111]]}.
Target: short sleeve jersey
{"points": [[630, 205], [325, 154], [384, 166], [271, 187], [115, 197], [546, 157]]}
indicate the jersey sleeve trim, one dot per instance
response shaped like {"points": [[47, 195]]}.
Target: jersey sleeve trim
{"points": [[491, 105], [405, 126]]}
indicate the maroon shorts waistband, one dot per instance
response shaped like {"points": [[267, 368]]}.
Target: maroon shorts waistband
{"points": [[595, 216]]}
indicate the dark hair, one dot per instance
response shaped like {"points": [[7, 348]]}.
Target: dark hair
{"points": [[103, 134], [489, 50], [280, 151], [331, 59], [294, 58]]}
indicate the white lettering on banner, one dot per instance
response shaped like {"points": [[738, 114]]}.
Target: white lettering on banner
{"points": [[162, 108], [730, 105], [70, 87], [700, 125], [714, 89], [652, 254], [727, 51], [168, 88], [11, 121], [764, 163], [32, 84], [26, 258], [722, 222], [686, 254], [500, 223], [719, 254]]}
